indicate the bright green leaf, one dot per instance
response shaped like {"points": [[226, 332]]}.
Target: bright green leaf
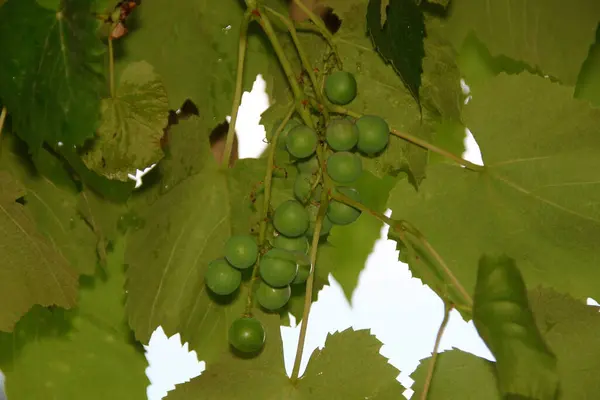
{"points": [[567, 325], [264, 376], [51, 71], [348, 247], [535, 200], [399, 39], [84, 353], [132, 125], [527, 31], [32, 271], [501, 313]]}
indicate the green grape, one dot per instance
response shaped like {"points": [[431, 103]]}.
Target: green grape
{"points": [[292, 244], [241, 251], [302, 275], [222, 278], [291, 219], [292, 123], [303, 186], [340, 87], [247, 335], [273, 298], [340, 213], [301, 141], [344, 167], [326, 226], [373, 134], [278, 268], [308, 165], [341, 134]]}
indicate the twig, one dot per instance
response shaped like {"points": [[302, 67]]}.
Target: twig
{"points": [[111, 67], [413, 139], [237, 96], [438, 339]]}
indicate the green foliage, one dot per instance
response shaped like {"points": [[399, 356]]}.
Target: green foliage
{"points": [[398, 36], [54, 353], [132, 125], [51, 71], [567, 325]]}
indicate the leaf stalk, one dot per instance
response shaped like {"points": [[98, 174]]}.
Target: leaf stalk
{"points": [[438, 339]]}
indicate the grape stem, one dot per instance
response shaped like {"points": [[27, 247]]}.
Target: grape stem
{"points": [[303, 58], [265, 23], [2, 119], [237, 96], [322, 29], [111, 67], [309, 286], [262, 232], [414, 140], [438, 339]]}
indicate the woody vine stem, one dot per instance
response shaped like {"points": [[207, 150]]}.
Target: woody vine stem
{"points": [[300, 106]]}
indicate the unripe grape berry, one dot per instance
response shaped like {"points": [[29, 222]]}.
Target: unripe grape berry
{"points": [[302, 275], [308, 165], [241, 251], [340, 213], [292, 244], [277, 268], [246, 334], [373, 134], [303, 186], [291, 219], [222, 278], [344, 167], [273, 298], [292, 123], [340, 87], [301, 141], [341, 134]]}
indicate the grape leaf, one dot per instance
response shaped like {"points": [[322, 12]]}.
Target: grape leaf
{"points": [[399, 39], [51, 71], [264, 376], [588, 82], [50, 199], [525, 365], [169, 255], [349, 246], [86, 352], [570, 328], [535, 199], [132, 125], [527, 31], [32, 271], [458, 376]]}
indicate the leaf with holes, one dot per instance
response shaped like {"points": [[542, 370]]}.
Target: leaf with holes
{"points": [[32, 271], [132, 125], [537, 197], [93, 340], [51, 71]]}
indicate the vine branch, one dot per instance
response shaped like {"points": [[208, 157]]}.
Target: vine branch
{"points": [[414, 140], [237, 96], [438, 339], [266, 202], [111, 67]]}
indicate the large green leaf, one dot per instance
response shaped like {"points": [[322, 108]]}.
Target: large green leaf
{"points": [[82, 353], [535, 199], [51, 71], [588, 82], [570, 328], [528, 31], [133, 123], [399, 39], [32, 270], [525, 364], [348, 247], [333, 371]]}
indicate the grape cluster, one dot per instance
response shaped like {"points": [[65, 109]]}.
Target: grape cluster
{"points": [[283, 261]]}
